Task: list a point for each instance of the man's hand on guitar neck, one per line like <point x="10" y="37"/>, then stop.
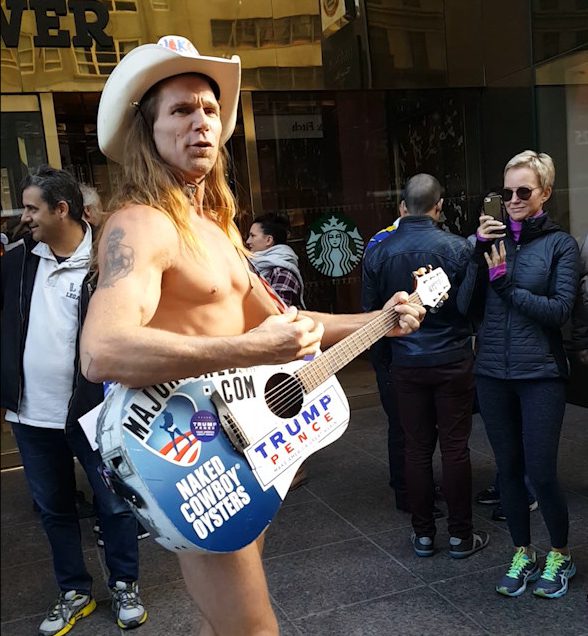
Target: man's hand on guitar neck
<point x="410" y="315"/>
<point x="339" y="326"/>
<point x="296" y="334"/>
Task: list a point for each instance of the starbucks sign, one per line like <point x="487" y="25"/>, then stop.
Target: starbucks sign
<point x="334" y="245"/>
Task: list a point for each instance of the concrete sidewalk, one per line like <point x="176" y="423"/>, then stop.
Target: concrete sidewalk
<point x="338" y="556"/>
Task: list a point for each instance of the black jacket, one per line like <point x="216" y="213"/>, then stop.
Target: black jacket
<point x="443" y="337"/>
<point x="520" y="333"/>
<point x="19" y="267"/>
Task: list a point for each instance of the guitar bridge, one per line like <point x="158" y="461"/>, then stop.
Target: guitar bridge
<point x="230" y="425"/>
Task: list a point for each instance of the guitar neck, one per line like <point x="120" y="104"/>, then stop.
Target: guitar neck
<point x="313" y="374"/>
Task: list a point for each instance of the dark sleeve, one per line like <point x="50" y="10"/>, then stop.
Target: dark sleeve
<point x="555" y="309"/>
<point x="464" y="258"/>
<point x="379" y="352"/>
<point x="471" y="295"/>
<point x="580" y="311"/>
<point x="11" y="272"/>
<point x="370" y="296"/>
<point x="2" y="274"/>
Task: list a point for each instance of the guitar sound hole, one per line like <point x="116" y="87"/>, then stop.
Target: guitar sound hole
<point x="284" y="395"/>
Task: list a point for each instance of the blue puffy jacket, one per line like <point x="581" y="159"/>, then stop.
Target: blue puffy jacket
<point x="520" y="333"/>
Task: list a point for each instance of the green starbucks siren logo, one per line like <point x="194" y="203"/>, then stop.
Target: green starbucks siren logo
<point x="334" y="246"/>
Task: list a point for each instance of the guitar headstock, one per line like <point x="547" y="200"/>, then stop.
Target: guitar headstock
<point x="432" y="286"/>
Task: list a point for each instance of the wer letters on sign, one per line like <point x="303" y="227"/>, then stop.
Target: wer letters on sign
<point x="47" y="18"/>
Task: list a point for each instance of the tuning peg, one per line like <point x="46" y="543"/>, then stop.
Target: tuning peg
<point x="438" y="306"/>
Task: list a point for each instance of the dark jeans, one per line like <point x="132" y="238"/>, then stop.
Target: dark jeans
<point x="395" y="432"/>
<point x="48" y="460"/>
<point x="437" y="401"/>
<point x="523" y="420"/>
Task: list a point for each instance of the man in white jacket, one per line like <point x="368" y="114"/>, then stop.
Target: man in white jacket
<point x="44" y="296"/>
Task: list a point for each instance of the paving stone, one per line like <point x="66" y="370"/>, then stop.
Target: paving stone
<point x="330" y="576"/>
<point x="338" y="558"/>
<point x="418" y="612"/>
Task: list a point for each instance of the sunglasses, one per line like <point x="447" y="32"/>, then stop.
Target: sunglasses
<point x="523" y="193"/>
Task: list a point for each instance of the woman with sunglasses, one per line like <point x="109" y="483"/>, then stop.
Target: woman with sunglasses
<point x="526" y="271"/>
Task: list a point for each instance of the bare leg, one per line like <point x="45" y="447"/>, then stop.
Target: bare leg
<point x="231" y="592"/>
<point x="206" y="629"/>
<point x="260" y="542"/>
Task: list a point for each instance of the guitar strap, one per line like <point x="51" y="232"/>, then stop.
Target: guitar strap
<point x="278" y="302"/>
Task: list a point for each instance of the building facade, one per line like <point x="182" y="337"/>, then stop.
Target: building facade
<point x="342" y="101"/>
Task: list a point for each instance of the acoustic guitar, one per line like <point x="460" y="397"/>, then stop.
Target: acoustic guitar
<point x="206" y="462"/>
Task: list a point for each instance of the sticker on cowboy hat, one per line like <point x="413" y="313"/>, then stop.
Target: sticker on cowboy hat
<point x="179" y="44"/>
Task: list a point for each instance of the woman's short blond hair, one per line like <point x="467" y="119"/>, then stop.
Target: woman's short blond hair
<point x="539" y="162"/>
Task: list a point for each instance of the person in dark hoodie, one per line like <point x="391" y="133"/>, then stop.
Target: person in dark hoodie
<point x="526" y="275"/>
<point x="45" y="295"/>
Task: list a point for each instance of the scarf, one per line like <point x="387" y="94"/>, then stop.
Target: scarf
<point x="279" y="256"/>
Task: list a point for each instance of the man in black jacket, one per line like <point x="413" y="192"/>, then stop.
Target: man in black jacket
<point x="45" y="293"/>
<point x="432" y="370"/>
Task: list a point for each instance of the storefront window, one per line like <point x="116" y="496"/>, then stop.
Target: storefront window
<point x="322" y="158"/>
<point x="23" y="147"/>
<point x="334" y="161"/>
<point x="407" y="43"/>
<point x="559" y="26"/>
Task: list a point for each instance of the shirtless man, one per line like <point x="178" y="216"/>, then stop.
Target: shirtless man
<point x="175" y="295"/>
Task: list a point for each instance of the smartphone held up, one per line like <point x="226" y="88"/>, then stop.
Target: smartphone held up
<point x="493" y="206"/>
<point x="492" y="224"/>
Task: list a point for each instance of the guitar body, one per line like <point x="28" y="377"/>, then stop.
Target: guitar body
<point x="206" y="461"/>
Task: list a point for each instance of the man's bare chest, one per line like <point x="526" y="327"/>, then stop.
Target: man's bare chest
<point x="213" y="276"/>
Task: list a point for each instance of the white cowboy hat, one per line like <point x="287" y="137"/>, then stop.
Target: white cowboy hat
<point x="142" y="68"/>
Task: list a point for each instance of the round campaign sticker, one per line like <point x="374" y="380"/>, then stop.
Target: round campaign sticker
<point x="204" y="425"/>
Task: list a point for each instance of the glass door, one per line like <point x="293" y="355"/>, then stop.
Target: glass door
<point x="23" y="147"/>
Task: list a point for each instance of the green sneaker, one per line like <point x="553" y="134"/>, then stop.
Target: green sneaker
<point x="523" y="569"/>
<point x="62" y="615"/>
<point x="558" y="570"/>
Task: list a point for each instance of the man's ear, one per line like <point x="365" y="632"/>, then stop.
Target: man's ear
<point x="438" y="209"/>
<point x="402" y="208"/>
<point x="62" y="208"/>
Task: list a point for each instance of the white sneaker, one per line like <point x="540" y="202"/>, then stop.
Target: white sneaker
<point x="127" y="605"/>
<point x="69" y="607"/>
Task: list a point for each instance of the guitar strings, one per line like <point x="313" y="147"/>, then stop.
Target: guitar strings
<point x="388" y="319"/>
<point x="286" y="399"/>
<point x="289" y="397"/>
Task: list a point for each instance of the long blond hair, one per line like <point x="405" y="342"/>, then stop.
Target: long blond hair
<point x="146" y="179"/>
